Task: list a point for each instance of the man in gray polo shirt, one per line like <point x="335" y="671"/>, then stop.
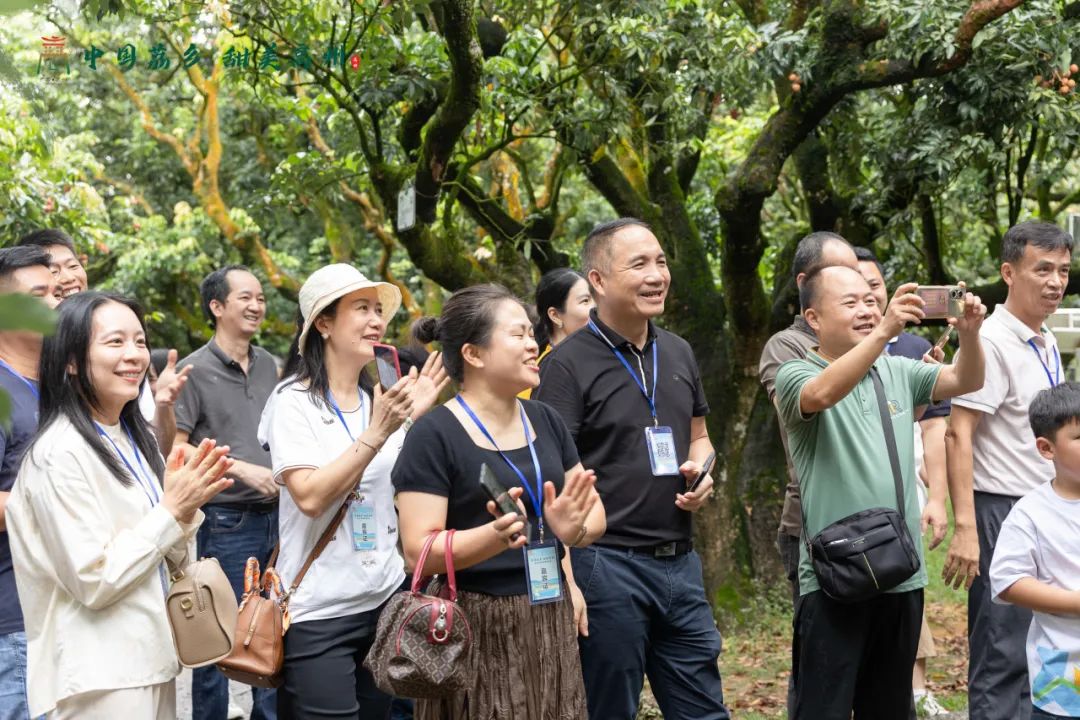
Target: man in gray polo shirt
<point x="993" y="461"/>
<point x="228" y="386"/>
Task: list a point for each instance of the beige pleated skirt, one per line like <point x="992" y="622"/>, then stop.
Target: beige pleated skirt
<point x="525" y="659"/>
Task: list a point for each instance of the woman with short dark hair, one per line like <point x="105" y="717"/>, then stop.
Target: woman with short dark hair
<point x="524" y="627"/>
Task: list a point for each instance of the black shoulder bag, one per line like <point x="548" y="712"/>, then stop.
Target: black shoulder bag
<point x="870" y="552"/>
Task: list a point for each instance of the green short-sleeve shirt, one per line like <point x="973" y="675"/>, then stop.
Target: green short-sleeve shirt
<point x="840" y="455"/>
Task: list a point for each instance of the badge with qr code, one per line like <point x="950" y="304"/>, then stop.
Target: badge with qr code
<point x="662" y="457"/>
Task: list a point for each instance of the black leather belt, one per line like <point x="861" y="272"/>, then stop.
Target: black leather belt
<point x="663" y="550"/>
<point x="262" y="508"/>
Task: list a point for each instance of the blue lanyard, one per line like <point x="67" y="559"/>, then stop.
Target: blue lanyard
<point x="32" y="386"/>
<point x="1056" y="377"/>
<point x="536" y="497"/>
<point x="147" y="485"/>
<point x="640" y="383"/>
<point x="363" y="415"/>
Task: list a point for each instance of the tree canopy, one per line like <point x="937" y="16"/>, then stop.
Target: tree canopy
<point x="441" y="143"/>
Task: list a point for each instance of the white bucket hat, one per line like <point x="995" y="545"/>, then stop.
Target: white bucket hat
<point x="331" y="282"/>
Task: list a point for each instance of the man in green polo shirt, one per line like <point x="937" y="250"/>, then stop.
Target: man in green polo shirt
<point x="857" y="657"/>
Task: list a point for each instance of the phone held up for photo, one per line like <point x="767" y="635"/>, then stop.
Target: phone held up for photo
<point x="941" y="301"/>
<point x="501" y="497"/>
<point x="386" y="362"/>
<point x="705" y="470"/>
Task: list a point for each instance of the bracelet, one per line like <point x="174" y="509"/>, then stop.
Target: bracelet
<point x="581" y="535"/>
<point x="368" y="445"/>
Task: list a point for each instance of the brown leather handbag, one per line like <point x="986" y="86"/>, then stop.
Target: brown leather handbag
<point x="258" y="653"/>
<point x="422" y="642"/>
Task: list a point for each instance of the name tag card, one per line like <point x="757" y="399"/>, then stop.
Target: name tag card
<point x="661" y="442"/>
<point x="364" y="527"/>
<point x="542" y="572"/>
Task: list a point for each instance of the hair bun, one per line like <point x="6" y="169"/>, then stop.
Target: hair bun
<point x="426" y="329"/>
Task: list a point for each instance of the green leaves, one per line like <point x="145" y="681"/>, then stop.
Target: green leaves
<point x="19" y="311"/>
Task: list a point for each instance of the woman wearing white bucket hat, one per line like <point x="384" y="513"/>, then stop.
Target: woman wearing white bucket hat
<point x="332" y="438"/>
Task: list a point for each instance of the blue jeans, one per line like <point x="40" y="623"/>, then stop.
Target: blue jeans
<point x="232" y="536"/>
<point x="648" y="616"/>
<point x="13" y="677"/>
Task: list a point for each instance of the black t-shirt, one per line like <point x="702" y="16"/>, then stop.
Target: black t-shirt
<point x="607" y="415"/>
<point x="439" y="457"/>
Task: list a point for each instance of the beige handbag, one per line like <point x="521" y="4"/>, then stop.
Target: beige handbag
<point x="202" y="612"/>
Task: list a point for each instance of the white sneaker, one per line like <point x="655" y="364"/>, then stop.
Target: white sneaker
<point x="235" y="711"/>
<point x="926" y="705"/>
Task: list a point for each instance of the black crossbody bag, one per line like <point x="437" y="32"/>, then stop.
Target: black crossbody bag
<point x="870" y="552"/>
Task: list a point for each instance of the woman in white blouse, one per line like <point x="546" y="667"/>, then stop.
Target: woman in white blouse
<point x="334" y="438"/>
<point x="92" y="524"/>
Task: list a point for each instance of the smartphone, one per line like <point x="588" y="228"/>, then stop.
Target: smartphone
<point x="941" y="301"/>
<point x="705" y="470"/>
<point x="501" y="497"/>
<point x="940" y="344"/>
<point x="386" y="362"/>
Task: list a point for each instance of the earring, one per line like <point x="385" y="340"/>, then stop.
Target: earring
<point x="326" y="336"/>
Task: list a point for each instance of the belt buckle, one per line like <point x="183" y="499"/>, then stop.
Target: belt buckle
<point x="665" y="550"/>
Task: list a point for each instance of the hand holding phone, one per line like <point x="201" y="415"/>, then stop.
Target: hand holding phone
<point x="941" y="301"/>
<point x="502" y="499"/>
<point x="705" y="470"/>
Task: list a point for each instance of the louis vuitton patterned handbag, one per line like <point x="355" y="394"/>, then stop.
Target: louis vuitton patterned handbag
<point x="422" y="642"/>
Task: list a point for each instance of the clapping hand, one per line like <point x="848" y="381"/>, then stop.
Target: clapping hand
<point x="428" y="384"/>
<point x="190" y="485"/>
<point x="566" y="513"/>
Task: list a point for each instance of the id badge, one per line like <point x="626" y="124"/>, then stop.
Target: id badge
<point x="364" y="527"/>
<point x="542" y="572"/>
<point x="661" y="442"/>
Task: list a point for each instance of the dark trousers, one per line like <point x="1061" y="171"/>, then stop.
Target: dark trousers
<point x="788" y="546"/>
<point x="855" y="657"/>
<point x="232" y="535"/>
<point x="997" y="634"/>
<point x="324" y="670"/>
<point x="648" y="616"/>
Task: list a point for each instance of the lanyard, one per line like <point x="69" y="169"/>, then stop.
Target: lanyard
<point x="1056" y="377"/>
<point x="640" y="383"/>
<point x="147" y="485"/>
<point x="363" y="415"/>
<point x="536" y="497"/>
<point x="13" y="371"/>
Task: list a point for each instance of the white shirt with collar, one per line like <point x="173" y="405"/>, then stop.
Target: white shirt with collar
<point x="1006" y="461"/>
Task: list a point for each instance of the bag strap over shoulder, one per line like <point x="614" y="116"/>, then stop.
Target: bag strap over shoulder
<point x="890" y="439"/>
<point x="324" y="540"/>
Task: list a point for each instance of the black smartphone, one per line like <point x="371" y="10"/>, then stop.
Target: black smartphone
<point x="386" y="362"/>
<point x="501" y="497"/>
<point x="705" y="470"/>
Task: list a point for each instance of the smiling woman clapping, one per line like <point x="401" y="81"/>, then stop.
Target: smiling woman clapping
<point x="92" y="524"/>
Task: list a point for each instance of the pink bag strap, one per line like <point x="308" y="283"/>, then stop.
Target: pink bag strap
<point x="451" y="578"/>
<point x="418" y="576"/>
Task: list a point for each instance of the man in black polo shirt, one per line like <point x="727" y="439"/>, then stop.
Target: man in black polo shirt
<point x="229" y="383"/>
<point x="631" y="395"/>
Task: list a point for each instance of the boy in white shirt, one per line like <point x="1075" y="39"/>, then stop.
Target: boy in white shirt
<point x="1037" y="559"/>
